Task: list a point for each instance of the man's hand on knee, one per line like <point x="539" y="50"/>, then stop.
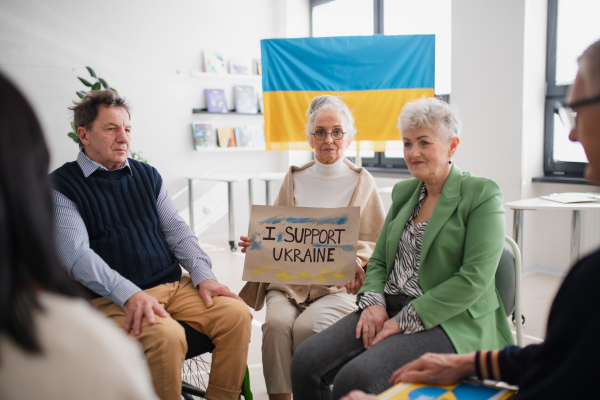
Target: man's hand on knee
<point x="137" y="306"/>
<point x="210" y="288"/>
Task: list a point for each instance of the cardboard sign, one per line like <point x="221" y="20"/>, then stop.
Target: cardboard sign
<point x="302" y="245"/>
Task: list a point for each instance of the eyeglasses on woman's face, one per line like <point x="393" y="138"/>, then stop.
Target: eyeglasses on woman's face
<point x="321" y="134"/>
<point x="568" y="115"/>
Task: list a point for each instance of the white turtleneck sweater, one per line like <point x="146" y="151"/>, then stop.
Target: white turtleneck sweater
<point x="324" y="185"/>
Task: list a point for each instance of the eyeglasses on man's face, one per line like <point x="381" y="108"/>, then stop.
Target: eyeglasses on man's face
<point x="567" y="113"/>
<point x="321" y="134"/>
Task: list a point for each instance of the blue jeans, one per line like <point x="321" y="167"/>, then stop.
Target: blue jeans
<point x="335" y="357"/>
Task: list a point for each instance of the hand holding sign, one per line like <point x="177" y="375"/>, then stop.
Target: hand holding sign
<point x="353" y="286"/>
<point x="302" y="245"/>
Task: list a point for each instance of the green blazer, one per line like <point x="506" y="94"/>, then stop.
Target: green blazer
<point x="460" y="252"/>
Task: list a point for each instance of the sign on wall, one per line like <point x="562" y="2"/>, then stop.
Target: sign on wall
<point x="302" y="245"/>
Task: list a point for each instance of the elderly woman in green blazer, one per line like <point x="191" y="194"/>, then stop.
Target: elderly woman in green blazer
<point x="429" y="285"/>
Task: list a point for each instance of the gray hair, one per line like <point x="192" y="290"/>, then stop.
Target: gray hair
<point x="589" y="68"/>
<point x="430" y="113"/>
<point x="329" y="102"/>
<point x="85" y="111"/>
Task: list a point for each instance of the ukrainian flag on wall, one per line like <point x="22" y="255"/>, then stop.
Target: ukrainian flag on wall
<point x="375" y="75"/>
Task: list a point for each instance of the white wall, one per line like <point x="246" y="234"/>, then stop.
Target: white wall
<point x="487" y="87"/>
<point x="498" y="82"/>
<point x="148" y="51"/>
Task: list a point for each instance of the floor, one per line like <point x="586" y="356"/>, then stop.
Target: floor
<point x="538" y="290"/>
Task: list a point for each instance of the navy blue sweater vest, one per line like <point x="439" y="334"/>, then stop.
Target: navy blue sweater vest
<point x="120" y="213"/>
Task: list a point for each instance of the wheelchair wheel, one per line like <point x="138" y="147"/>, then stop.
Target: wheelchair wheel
<point x="194" y="375"/>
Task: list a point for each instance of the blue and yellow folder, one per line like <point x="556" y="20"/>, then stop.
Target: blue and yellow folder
<point x="458" y="391"/>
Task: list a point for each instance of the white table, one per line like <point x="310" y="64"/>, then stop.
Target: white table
<point x="230" y="179"/>
<point x="537" y="203"/>
<point x="268" y="177"/>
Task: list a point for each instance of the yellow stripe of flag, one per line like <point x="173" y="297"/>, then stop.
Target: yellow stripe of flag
<point x="375" y="113"/>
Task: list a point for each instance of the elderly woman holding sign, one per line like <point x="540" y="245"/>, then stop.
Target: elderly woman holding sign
<point x="296" y="312"/>
<point x="429" y="285"/>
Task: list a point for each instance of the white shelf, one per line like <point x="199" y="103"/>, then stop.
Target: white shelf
<point x="231" y="149"/>
<point x="200" y="74"/>
<point x="229" y="112"/>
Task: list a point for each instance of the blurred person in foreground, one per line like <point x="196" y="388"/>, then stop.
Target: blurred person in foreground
<point x="430" y="283"/>
<point x="53" y="345"/>
<point x="296" y="312"/>
<point x="565" y="365"/>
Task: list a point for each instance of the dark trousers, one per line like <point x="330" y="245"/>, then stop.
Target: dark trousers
<point x="335" y="357"/>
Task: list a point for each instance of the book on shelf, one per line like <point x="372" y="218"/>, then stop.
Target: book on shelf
<point x="459" y="391"/>
<point x="245" y="99"/>
<point x="214" y="62"/>
<point x="257" y="66"/>
<point x="215" y="100"/>
<point x="239" y="67"/>
<point x="256" y="135"/>
<point x="261" y="104"/>
<point x="204" y="135"/>
<point x="226" y="137"/>
<point x="242" y="139"/>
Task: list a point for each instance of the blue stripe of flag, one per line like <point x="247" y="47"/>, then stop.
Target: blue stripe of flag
<point x="348" y="63"/>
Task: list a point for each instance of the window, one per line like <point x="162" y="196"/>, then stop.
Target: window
<point x="342" y="18"/>
<point x="572" y="27"/>
<point x="389" y="17"/>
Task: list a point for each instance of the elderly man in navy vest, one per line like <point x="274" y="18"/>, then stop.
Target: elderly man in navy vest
<point x="120" y="235"/>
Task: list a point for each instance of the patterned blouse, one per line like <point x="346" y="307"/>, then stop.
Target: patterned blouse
<point x="405" y="275"/>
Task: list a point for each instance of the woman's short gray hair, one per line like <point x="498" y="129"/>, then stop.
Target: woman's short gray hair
<point x="329" y="102"/>
<point x="430" y="113"/>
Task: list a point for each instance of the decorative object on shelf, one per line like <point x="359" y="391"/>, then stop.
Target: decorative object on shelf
<point x="241" y="137"/>
<point x="98" y="84"/>
<point x="214" y="62"/>
<point x="245" y="100"/>
<point x="226" y="77"/>
<point x="261" y="104"/>
<point x="257" y="66"/>
<point x="215" y="100"/>
<point x="256" y="134"/>
<point x="204" y="135"/>
<point x="226" y="137"/>
<point x="239" y="67"/>
<point x="231" y="112"/>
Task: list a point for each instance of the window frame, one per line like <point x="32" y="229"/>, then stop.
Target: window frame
<point x="554" y="93"/>
<point x="378" y="163"/>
